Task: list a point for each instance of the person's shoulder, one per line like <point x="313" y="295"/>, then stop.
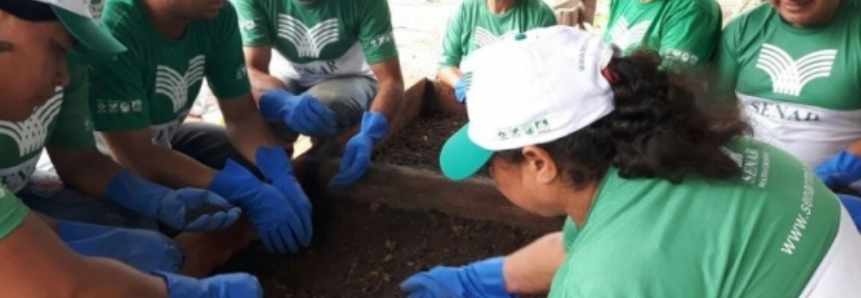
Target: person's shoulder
<point x="118" y="12"/>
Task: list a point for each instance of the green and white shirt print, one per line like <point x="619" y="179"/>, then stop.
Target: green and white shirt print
<point x="154" y="84"/>
<point x="62" y="122"/>
<point x="683" y="31"/>
<point x="321" y="39"/>
<point x="800" y="87"/>
<point x="774" y="231"/>
<point x="473" y="26"/>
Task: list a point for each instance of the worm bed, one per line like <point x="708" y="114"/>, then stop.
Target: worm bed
<point x="402" y="217"/>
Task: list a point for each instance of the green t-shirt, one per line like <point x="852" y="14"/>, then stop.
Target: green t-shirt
<point x="12" y="212"/>
<point x="473" y="26"/>
<point x="62" y="122"/>
<point x="322" y="39"/>
<point x="155" y="82"/>
<point x="762" y="234"/>
<point x="686" y="31"/>
<point x="800" y="87"/>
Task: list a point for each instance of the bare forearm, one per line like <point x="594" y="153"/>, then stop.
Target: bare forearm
<point x="86" y="170"/>
<point x="449" y="76"/>
<point x="262" y="81"/>
<point x="125" y="281"/>
<point x="855" y="148"/>
<point x="530" y="270"/>
<point x="249" y="133"/>
<point x="389" y="98"/>
<point x="172" y="169"/>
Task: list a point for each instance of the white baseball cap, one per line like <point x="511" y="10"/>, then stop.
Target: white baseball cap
<point x="527" y="89"/>
<point x="76" y="18"/>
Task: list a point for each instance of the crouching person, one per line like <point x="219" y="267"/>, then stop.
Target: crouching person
<point x="84" y="256"/>
<point x="663" y="199"/>
<point x="343" y="70"/>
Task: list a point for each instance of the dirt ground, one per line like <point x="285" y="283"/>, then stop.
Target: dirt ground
<point x="365" y="251"/>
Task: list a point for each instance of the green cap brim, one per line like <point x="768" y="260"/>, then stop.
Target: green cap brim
<point x="461" y="158"/>
<point x="93" y="41"/>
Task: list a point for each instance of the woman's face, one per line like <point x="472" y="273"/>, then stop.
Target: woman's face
<point x="532" y="184"/>
<point x="806" y="12"/>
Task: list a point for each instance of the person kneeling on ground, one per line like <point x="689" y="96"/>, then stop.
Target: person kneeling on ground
<point x="478" y="23"/>
<point x="139" y="103"/>
<point x="663" y="198"/>
<point x="41" y="32"/>
<point x="343" y="70"/>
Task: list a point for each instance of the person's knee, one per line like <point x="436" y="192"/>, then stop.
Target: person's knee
<point x="348" y="98"/>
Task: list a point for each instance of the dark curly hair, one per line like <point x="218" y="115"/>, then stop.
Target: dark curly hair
<point x="657" y="129"/>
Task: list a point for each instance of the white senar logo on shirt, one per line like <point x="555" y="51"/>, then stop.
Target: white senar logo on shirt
<point x="309" y="42"/>
<point x="170" y="83"/>
<point x="624" y="36"/>
<point x="484" y="37"/>
<point x="790" y="76"/>
<point x="30" y="134"/>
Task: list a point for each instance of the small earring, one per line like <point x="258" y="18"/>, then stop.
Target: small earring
<point x="5" y="46"/>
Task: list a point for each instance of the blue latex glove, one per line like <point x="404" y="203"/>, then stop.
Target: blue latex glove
<point x="171" y="206"/>
<point x="144" y="250"/>
<point x="357" y="155"/>
<point x="303" y="113"/>
<point x="232" y="285"/>
<point x="461" y="87"/>
<point x="483" y="279"/>
<point x="276" y="167"/>
<point x="842" y="169"/>
<point x="277" y="222"/>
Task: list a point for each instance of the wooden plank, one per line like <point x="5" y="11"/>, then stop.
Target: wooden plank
<point x="416" y="189"/>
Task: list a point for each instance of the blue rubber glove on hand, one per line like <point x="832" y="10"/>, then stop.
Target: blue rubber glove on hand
<point x="357" y="155"/>
<point x="277" y="222"/>
<point x="461" y="87"/>
<point x="172" y="206"/>
<point x="232" y="285"/>
<point x="144" y="250"/>
<point x="276" y="167"/>
<point x="483" y="279"/>
<point x="302" y="113"/>
<point x="842" y="169"/>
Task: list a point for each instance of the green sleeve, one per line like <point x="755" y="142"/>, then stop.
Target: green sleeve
<point x="548" y="17"/>
<point x="226" y="75"/>
<point x="724" y="62"/>
<point x="692" y="34"/>
<point x="569" y="233"/>
<point x="253" y="25"/>
<point x="12" y="212"/>
<point x="118" y="99"/>
<point x="74" y="129"/>
<point x="376" y="33"/>
<point x="452" y="42"/>
<point x="614" y="14"/>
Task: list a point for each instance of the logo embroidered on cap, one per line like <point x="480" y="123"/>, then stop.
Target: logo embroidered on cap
<point x="529" y="129"/>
